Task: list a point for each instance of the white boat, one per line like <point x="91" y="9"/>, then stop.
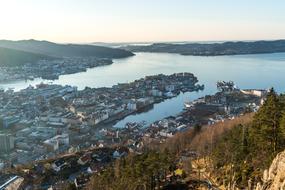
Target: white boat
<point x="188" y="105"/>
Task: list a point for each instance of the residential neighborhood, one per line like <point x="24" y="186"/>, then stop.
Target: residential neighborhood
<point x="67" y="137"/>
<point x="44" y="121"/>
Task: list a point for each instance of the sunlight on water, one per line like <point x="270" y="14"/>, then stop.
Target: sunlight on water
<point x="247" y="71"/>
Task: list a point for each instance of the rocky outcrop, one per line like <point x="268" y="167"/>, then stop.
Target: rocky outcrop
<point x="274" y="177"/>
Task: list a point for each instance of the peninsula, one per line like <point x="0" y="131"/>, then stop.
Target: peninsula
<point x="29" y="59"/>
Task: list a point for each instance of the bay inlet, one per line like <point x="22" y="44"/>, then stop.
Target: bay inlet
<point x="247" y="71"/>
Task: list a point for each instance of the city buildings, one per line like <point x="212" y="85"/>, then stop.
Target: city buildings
<point x="6" y="143"/>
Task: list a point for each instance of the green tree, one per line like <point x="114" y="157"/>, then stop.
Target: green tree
<point x="197" y="128"/>
<point x="232" y="151"/>
<point x="134" y="172"/>
<point x="282" y="122"/>
<point x="267" y="131"/>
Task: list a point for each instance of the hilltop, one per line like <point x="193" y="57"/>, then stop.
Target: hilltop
<point x="65" y="50"/>
<point x="213" y="49"/>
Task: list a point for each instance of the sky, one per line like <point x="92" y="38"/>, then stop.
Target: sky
<point x="85" y="21"/>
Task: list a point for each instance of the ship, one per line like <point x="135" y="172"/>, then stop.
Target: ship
<point x="188" y="105"/>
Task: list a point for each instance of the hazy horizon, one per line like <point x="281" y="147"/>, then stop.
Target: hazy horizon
<point x="146" y="42"/>
<point x="113" y="21"/>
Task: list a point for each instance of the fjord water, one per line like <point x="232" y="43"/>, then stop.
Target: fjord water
<point x="247" y="71"/>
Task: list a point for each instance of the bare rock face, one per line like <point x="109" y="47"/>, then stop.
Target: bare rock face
<point x="274" y="178"/>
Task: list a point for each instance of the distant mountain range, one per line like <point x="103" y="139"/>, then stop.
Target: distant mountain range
<point x="212" y="49"/>
<point x="120" y="44"/>
<point x="16" y="52"/>
<point x="13" y="53"/>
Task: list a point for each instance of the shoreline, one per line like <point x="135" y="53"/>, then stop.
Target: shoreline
<point x="113" y="121"/>
<point x="47" y="72"/>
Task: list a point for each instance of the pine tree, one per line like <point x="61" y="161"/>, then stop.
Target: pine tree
<point x="266" y="128"/>
<point x="282" y="131"/>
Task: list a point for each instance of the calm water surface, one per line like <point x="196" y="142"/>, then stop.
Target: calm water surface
<point x="247" y="71"/>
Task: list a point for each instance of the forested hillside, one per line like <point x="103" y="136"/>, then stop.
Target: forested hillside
<point x="243" y="153"/>
<point x="234" y="153"/>
<point x="213" y="49"/>
<point x="12" y="58"/>
<point x="65" y="50"/>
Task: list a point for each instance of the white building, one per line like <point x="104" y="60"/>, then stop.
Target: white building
<point x="170" y="88"/>
<point x="165" y="134"/>
<point x="132" y="106"/>
<point x="259" y="93"/>
<point x="100" y="116"/>
<point x="54" y="143"/>
<point x="155" y="92"/>
<point x="169" y="94"/>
